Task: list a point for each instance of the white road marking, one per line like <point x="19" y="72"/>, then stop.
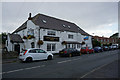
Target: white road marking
<point x="64" y="61"/>
<point x="22" y="69"/>
<point x="77" y="59"/>
<point x="94" y="70"/>
<point x="68" y="60"/>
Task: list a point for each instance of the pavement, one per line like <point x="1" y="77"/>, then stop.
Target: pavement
<point x="97" y="65"/>
<point x="9" y="60"/>
<point x="13" y="60"/>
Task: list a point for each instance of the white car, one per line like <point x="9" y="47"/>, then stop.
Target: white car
<point x="35" y="54"/>
<point x="114" y="46"/>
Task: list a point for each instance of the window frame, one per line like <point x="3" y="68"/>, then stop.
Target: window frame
<point x="30" y="32"/>
<point x="53" y="33"/>
<point x="52" y="47"/>
<point x="70" y="36"/>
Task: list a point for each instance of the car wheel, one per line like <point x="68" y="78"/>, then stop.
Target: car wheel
<point x="29" y="59"/>
<point x="70" y="55"/>
<point x="80" y="54"/>
<point x="87" y="52"/>
<point x="49" y="58"/>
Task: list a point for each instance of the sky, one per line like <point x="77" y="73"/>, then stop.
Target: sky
<point x="96" y="18"/>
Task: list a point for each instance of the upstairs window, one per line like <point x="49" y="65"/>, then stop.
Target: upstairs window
<point x="104" y="40"/>
<point x="30" y="32"/>
<point x="70" y="36"/>
<point x="51" y="33"/>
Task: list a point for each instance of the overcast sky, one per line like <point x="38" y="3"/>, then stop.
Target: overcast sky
<point x="100" y="18"/>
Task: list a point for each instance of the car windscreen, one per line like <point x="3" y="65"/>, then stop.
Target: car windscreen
<point x="90" y="48"/>
<point x="83" y="48"/>
<point x="23" y="51"/>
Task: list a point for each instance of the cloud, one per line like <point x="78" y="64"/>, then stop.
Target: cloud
<point x="90" y="16"/>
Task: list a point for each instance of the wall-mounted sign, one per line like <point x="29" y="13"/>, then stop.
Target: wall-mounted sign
<point x="86" y="38"/>
<point x="49" y="38"/>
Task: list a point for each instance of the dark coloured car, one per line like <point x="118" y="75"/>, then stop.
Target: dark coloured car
<point x="105" y="48"/>
<point x="110" y="48"/>
<point x="69" y="52"/>
<point x="87" y="50"/>
<point x="98" y="49"/>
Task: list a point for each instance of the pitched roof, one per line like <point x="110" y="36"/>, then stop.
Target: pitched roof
<point x="23" y="26"/>
<point x="48" y="22"/>
<point x="15" y="38"/>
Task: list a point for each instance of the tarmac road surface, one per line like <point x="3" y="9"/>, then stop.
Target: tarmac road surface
<point x="62" y="67"/>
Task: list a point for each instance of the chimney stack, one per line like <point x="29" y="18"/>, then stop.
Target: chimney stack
<point x="29" y="16"/>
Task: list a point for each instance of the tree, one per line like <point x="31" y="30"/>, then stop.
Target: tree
<point x="95" y="43"/>
<point x="4" y="37"/>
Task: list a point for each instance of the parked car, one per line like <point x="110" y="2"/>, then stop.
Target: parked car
<point x="110" y="47"/>
<point x="34" y="54"/>
<point x="98" y="49"/>
<point x="69" y="52"/>
<point x="114" y="47"/>
<point x="87" y="50"/>
<point x="105" y="48"/>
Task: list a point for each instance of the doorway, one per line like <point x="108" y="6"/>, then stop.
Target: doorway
<point x="17" y="48"/>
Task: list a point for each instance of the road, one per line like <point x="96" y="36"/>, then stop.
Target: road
<point x="60" y="67"/>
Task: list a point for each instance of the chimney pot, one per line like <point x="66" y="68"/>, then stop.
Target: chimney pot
<point x="29" y="16"/>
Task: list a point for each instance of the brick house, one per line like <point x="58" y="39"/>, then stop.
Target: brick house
<point x="105" y="40"/>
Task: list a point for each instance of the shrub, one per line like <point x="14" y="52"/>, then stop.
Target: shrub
<point x="40" y="42"/>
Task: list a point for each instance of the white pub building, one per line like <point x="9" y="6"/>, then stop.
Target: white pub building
<point x="48" y="33"/>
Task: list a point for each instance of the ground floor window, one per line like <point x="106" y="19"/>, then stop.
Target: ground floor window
<point x="67" y="45"/>
<point x="51" y="47"/>
<point x="73" y="46"/>
<point x="78" y="45"/>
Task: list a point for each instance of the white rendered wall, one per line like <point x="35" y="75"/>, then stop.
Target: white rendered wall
<point x="63" y="36"/>
<point x="10" y="45"/>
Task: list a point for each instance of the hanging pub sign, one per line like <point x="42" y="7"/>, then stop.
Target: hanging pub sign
<point x="49" y="38"/>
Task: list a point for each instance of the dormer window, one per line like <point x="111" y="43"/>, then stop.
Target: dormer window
<point x="44" y="21"/>
<point x="68" y="26"/>
<point x="63" y="25"/>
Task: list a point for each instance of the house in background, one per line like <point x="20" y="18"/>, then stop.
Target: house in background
<point x="48" y="33"/>
<point x="105" y="40"/>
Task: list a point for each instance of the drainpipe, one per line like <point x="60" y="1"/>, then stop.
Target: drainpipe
<point x="39" y="36"/>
